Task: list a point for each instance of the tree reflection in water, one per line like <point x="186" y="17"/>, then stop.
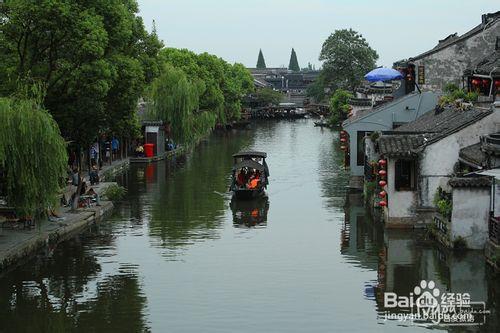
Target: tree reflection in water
<point x="191" y="202"/>
<point x="67" y="292"/>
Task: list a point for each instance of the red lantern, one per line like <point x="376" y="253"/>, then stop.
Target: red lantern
<point x="486" y="82"/>
<point x="382" y="194"/>
<point x="475" y="82"/>
<point x="382" y="173"/>
<point x="497" y="84"/>
<point x="382" y="183"/>
<point x="382" y="203"/>
<point x="382" y="162"/>
<point x="343" y="140"/>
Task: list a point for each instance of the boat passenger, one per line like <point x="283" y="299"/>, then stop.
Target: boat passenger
<point x="254" y="181"/>
<point x="240" y="179"/>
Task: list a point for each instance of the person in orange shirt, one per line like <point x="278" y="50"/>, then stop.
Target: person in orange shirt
<point x="254" y="181"/>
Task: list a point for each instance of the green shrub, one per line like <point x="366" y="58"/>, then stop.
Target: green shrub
<point x="115" y="192"/>
<point x="471" y="96"/>
<point x="460" y="244"/>
<point x="443" y="203"/>
<point x="450" y="87"/>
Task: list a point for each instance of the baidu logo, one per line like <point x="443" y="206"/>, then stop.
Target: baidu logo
<point x="427" y="295"/>
<point x="427" y="305"/>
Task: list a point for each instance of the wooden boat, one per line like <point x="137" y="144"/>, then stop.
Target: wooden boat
<point x="321" y="124"/>
<point x="250" y="175"/>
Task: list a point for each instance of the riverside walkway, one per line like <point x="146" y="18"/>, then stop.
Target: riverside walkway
<point x="18" y="244"/>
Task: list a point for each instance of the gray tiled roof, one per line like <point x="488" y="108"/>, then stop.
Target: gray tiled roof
<point x="490" y="64"/>
<point x="470" y="182"/>
<point x="402" y="145"/>
<point x="473" y="154"/>
<point x="446" y="122"/>
<point x="427" y="129"/>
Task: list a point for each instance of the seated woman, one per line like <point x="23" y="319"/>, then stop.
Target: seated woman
<point x="253" y="183"/>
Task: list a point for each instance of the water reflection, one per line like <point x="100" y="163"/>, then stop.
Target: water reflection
<point x="250" y="213"/>
<point x="409" y="258"/>
<point x="403" y="258"/>
<point x="67" y="291"/>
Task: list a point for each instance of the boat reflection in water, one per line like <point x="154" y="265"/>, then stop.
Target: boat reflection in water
<point x="250" y="213"/>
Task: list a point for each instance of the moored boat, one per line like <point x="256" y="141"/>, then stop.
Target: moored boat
<point x="250" y="175"/>
<point x="321" y="124"/>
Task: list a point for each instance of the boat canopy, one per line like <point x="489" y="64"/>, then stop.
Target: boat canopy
<point x="249" y="164"/>
<point x="250" y="153"/>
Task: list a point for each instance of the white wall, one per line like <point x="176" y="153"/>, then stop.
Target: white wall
<point x="401" y="203"/>
<point x="439" y="158"/>
<point x="471" y="207"/>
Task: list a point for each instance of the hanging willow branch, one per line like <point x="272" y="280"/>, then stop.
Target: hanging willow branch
<point x="176" y="100"/>
<point x="32" y="155"/>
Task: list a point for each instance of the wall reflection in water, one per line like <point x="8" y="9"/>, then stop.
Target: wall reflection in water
<point x="250" y="213"/>
<point x="402" y="258"/>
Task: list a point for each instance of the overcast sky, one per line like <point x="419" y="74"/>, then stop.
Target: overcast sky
<point x="236" y="29"/>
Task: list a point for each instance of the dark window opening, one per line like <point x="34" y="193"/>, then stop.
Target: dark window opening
<point x="405" y="178"/>
<point x="360" y="149"/>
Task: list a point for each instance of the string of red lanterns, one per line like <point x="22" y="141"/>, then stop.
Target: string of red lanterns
<point x="382" y="183"/>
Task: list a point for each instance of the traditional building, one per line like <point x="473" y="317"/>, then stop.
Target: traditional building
<point x="422" y="157"/>
<point x="385" y="117"/>
<point x="448" y="60"/>
<point x="484" y="76"/>
<point x="292" y="84"/>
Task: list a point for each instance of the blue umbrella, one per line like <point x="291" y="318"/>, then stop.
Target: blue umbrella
<point x="383" y="74"/>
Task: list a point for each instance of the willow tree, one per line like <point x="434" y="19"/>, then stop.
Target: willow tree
<point x="32" y="156"/>
<point x="174" y="100"/>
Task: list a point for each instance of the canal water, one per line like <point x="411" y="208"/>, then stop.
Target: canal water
<point x="178" y="255"/>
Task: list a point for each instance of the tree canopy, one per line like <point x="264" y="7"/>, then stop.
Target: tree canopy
<point x="347" y="58"/>
<point x="294" y="63"/>
<point x="94" y="58"/>
<point x="196" y="91"/>
<point x="220" y="85"/>
<point x="32" y="155"/>
<point x="266" y="96"/>
<point x="339" y="105"/>
<point x="261" y="63"/>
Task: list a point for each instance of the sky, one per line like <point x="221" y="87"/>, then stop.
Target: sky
<point x="235" y="30"/>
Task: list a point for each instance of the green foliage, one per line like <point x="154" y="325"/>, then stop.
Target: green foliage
<point x="454" y="93"/>
<point x="115" y="192"/>
<point x="32" y="155"/>
<point x="175" y="99"/>
<point x="471" y="96"/>
<point x="294" y="63"/>
<point x="220" y="85"/>
<point x="94" y="58"/>
<point x="459" y="244"/>
<point x="261" y="63"/>
<point x="443" y="202"/>
<point x="339" y="105"/>
<point x="370" y="187"/>
<point x="266" y="96"/>
<point x="316" y="90"/>
<point x="450" y="88"/>
<point x="347" y="58"/>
